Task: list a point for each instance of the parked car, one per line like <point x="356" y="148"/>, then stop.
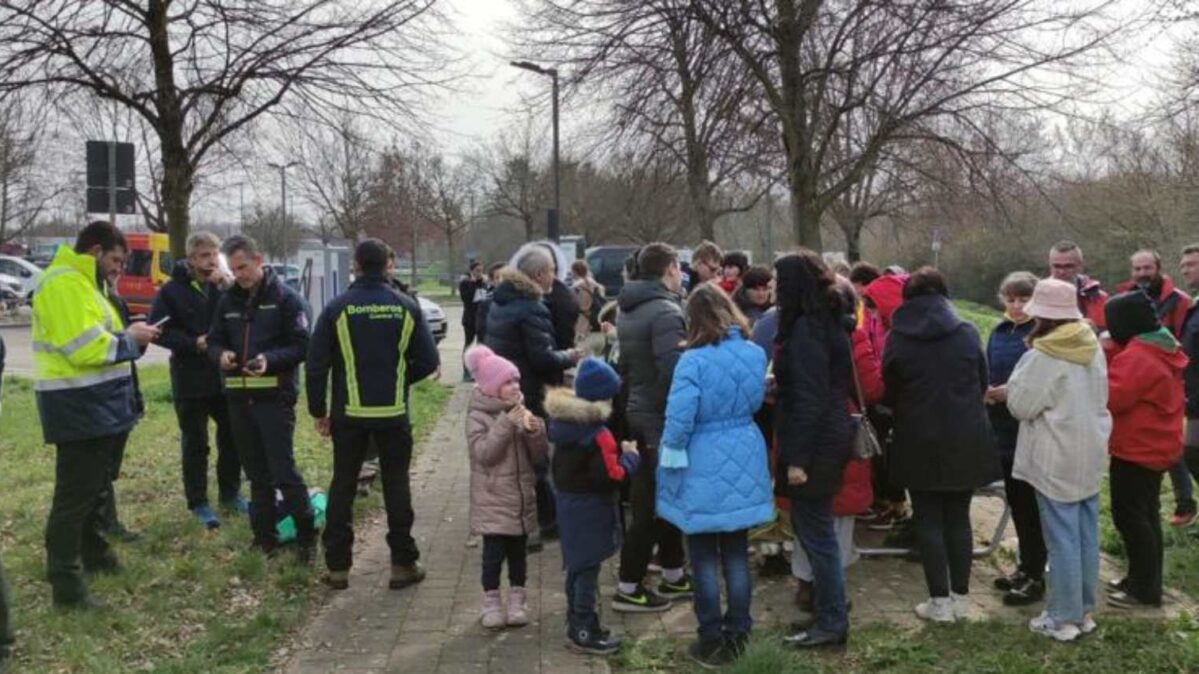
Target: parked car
<point x="24" y="271"/>
<point x="606" y="264"/>
<point x="290" y="274"/>
<point x="434" y="318"/>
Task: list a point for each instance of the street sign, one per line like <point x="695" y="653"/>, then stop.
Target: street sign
<point x="111" y="184"/>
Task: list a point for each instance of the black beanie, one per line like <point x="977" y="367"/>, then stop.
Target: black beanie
<point x="1130" y="314"/>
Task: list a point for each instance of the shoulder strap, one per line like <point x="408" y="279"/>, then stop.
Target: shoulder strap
<point x="857" y="386"/>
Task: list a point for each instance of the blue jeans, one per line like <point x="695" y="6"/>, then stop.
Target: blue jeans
<point x="814" y="529"/>
<point x="708" y="551"/>
<point x="581" y="588"/>
<point x="1072" y="536"/>
<point x="1184" y="489"/>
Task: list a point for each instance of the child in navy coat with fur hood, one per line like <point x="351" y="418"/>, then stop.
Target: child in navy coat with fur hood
<point x="588" y="468"/>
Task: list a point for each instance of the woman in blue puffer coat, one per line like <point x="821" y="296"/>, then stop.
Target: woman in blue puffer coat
<point x="713" y="477"/>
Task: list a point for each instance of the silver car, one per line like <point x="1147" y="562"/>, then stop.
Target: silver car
<point x="434" y="318"/>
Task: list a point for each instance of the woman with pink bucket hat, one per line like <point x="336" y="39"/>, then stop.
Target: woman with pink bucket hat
<point x="506" y="441"/>
<point x="1059" y="392"/>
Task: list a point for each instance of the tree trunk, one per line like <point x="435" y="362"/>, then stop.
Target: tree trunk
<point x="852" y="227"/>
<point x="449" y="249"/>
<point x="701" y="199"/>
<point x="178" y="169"/>
<point x="177" y="186"/>
<point x="805" y="214"/>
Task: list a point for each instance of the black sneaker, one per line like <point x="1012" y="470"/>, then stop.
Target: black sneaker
<point x="1006" y="583"/>
<point x="1126" y="600"/>
<point x="683" y="589"/>
<point x="640" y="601"/>
<point x="710" y="654"/>
<point x="593" y="643"/>
<point x="1030" y="591"/>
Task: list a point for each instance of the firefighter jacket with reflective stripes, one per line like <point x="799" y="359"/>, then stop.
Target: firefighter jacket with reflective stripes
<point x="268" y="320"/>
<point x="81" y="354"/>
<point x="375" y="341"/>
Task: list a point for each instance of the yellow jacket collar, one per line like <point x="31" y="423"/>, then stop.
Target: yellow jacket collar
<point x="81" y="262"/>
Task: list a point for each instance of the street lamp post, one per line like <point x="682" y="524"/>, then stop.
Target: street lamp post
<point x="282" y="168"/>
<point x="552" y="216"/>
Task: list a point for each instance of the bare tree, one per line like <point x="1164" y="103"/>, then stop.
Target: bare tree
<point x="817" y="61"/>
<point x="515" y="181"/>
<point x="335" y="174"/>
<point x="276" y="236"/>
<point x="447" y="200"/>
<point x="25" y="191"/>
<point x="673" y="87"/>
<point x="217" y="67"/>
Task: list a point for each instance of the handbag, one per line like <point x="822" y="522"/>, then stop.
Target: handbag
<point x="865" y="439"/>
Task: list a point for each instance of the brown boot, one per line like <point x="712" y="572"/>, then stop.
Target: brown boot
<point x="403" y="575"/>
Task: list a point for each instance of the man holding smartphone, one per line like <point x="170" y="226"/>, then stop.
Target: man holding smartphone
<point x="183" y="311"/>
<point x="258" y="338"/>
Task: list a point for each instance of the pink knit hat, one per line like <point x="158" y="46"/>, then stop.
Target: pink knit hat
<point x="1054" y="300"/>
<point x="490" y="371"/>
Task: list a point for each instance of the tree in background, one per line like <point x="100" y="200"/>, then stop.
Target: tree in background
<point x="218" y="67"/>
<point x="278" y="238"/>
<point x="26" y="191"/>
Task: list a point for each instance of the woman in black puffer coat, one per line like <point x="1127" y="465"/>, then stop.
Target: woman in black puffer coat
<point x="814" y="431"/>
<point x="935" y="374"/>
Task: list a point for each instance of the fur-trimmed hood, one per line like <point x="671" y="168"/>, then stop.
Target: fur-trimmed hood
<point x="514" y="284"/>
<point x="563" y="405"/>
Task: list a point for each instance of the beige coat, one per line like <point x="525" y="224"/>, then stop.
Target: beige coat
<point x="503" y="492"/>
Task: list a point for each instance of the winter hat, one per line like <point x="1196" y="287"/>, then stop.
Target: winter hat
<point x="1054" y="300"/>
<point x="490" y="371"/>
<point x="596" y="380"/>
<point x="886" y="294"/>
<point x="1130" y="314"/>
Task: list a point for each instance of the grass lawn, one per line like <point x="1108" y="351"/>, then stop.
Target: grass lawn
<point x="1120" y="646"/>
<point x="188" y="600"/>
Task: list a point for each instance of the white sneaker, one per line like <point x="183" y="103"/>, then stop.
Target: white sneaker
<point x="962" y="608"/>
<point x="1088" y="624"/>
<point x="1045" y="626"/>
<point x="936" y="609"/>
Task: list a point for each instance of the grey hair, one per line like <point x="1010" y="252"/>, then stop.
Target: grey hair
<point x="534" y="261"/>
<point x="239" y="243"/>
<point x="200" y="240"/>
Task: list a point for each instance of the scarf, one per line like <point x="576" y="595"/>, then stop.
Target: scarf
<point x="1073" y="342"/>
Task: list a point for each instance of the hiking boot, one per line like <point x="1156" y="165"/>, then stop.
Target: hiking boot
<point x="640" y="601"/>
<point x="937" y="610"/>
<point x="492" y="614"/>
<point x="206" y="516"/>
<point x="403" y="575"/>
<point x="518" y="607"/>
<point x="710" y="654"/>
<point x="681" y="589"/>
<point x="589" y="642"/>
<point x="337" y="580"/>
<point x="1005" y="583"/>
<point x="1046" y="626"/>
<point x="1030" y="591"/>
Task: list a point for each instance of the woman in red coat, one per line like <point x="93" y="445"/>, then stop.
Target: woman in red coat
<point x="857" y="491"/>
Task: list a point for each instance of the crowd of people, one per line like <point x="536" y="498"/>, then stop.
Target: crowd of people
<point x="706" y="410"/>
<point x="726" y="404"/>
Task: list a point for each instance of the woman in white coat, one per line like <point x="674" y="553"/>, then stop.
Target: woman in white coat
<point x="1059" y="392"/>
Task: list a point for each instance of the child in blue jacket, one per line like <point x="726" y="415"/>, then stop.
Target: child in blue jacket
<point x="588" y="468"/>
<point x="713" y="477"/>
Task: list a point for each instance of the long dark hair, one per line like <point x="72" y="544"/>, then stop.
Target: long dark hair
<point x="804" y="287"/>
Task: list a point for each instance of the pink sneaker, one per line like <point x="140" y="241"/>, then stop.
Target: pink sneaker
<point x="518" y="608"/>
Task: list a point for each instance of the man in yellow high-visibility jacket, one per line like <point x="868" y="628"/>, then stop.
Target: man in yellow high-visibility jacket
<point x="85" y="395"/>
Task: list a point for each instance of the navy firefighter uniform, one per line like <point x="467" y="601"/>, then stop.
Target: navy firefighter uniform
<point x="269" y="321"/>
<point x="374" y="342"/>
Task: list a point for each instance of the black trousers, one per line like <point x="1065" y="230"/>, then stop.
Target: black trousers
<point x="944" y="537"/>
<point x="6" y="631"/>
<point x="262" y="432"/>
<point x="1136" y="506"/>
<point x="110" y="523"/>
<point x="1022" y="499"/>
<point x="193" y="415"/>
<point x="469" y="327"/>
<point x="350" y="447"/>
<point x="646" y="529"/>
<point x="83" y="472"/>
<point x="496" y="549"/>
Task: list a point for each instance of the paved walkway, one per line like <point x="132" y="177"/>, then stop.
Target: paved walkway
<point x="433" y="627"/>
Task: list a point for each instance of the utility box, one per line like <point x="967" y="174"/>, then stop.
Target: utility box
<point x="324" y="271"/>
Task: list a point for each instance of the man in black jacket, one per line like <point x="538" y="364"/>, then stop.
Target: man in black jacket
<point x="259" y="337"/>
<point x="520" y="329"/>
<point x="188" y="303"/>
<point x="375" y="341"/>
<point x="652" y="331"/>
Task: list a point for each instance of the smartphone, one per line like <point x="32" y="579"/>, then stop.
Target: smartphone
<point x="161" y="322"/>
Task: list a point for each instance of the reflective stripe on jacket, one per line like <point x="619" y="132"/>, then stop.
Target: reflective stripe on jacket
<point x="375" y="341"/>
<point x="81" y="354"/>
